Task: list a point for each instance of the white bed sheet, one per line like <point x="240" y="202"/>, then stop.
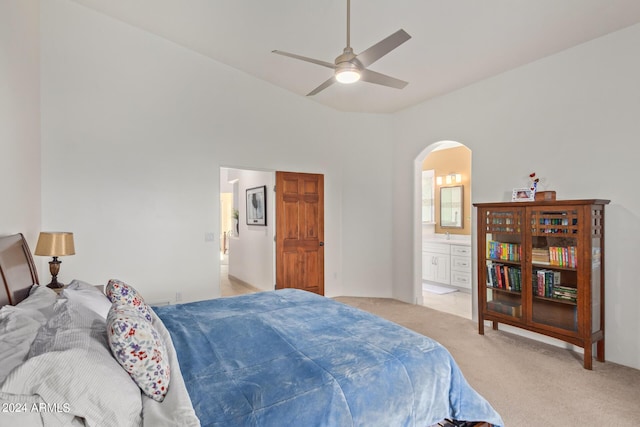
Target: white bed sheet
<point x="62" y="362"/>
<point x="176" y="409"/>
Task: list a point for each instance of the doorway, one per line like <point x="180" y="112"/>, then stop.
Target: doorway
<point x="443" y="276"/>
<point x="252" y="257"/>
<point x="246" y="250"/>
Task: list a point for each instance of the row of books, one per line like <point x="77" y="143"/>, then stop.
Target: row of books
<point x="504" y="251"/>
<point x="502" y="276"/>
<point x="555" y="255"/>
<point x="563" y="256"/>
<point x="546" y="283"/>
<point x="543" y="282"/>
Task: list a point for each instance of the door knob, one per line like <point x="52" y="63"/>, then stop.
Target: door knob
<point x="321" y="243"/>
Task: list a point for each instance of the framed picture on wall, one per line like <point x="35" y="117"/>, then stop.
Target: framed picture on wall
<point x="257" y="205"/>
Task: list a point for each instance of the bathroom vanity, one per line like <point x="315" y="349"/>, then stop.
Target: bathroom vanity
<point x="446" y="260"/>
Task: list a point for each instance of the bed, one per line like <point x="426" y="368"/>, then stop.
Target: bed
<point x="276" y="358"/>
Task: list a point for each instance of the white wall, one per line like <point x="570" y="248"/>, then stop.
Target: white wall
<point x="20" y="120"/>
<point x="573" y="119"/>
<point x="251" y="254"/>
<point x="135" y="129"/>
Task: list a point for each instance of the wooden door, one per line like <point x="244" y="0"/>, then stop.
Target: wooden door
<point x="300" y="231"/>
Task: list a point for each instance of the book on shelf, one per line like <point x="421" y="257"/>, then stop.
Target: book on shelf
<point x="505" y="275"/>
<point x="506" y="307"/>
<point x="508" y="277"/>
<point x="490" y="281"/>
<point x="565" y="292"/>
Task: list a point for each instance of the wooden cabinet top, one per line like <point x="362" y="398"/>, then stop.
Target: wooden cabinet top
<point x="544" y="203"/>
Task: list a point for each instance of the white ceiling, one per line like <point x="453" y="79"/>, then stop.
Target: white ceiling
<point x="454" y="42"/>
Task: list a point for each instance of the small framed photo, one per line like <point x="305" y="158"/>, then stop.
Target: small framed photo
<point x="523" y="195"/>
<point x="257" y="205"/>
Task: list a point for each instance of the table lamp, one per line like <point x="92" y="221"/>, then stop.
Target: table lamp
<point x="55" y="244"/>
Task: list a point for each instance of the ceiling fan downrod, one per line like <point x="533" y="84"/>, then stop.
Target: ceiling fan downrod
<point x="347" y="71"/>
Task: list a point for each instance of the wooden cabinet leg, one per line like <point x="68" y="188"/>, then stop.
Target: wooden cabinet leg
<point x="600" y="350"/>
<point x="495" y="326"/>
<point x="588" y="355"/>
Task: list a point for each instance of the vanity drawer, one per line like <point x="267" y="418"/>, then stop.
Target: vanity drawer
<point x="459" y="263"/>
<point x="461" y="250"/>
<point x="439" y="248"/>
<point x="460" y="279"/>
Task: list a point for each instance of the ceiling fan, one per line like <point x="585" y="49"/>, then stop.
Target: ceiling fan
<point x="349" y="67"/>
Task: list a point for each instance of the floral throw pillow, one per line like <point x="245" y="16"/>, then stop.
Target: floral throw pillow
<point x="122" y="294"/>
<point x="137" y="346"/>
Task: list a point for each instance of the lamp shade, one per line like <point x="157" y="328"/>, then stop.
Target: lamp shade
<point x="55" y="244"/>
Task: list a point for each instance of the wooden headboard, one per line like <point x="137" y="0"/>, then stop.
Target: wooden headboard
<point x="17" y="270"/>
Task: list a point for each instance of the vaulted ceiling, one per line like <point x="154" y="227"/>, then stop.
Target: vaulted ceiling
<point x="454" y="42"/>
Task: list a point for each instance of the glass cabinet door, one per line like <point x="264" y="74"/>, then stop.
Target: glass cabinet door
<point x="555" y="246"/>
<point x="503" y="259"/>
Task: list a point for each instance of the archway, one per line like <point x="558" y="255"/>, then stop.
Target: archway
<point x="445" y="283"/>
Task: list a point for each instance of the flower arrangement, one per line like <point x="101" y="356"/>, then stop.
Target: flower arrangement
<point x="534" y="182"/>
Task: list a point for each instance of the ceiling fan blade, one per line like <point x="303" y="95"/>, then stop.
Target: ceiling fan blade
<point x="323" y="86"/>
<point x="381" y="79"/>
<point x="383" y="47"/>
<point x="304" y="58"/>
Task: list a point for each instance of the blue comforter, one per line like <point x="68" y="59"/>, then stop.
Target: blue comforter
<point x="292" y="358"/>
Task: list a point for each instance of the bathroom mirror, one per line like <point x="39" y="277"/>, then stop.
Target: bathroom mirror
<point x="451" y="203"/>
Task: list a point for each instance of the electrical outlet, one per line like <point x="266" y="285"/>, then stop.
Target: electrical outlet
<point x="178" y="296"/>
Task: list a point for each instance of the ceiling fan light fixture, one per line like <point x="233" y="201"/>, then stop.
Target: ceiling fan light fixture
<point x="347" y="73"/>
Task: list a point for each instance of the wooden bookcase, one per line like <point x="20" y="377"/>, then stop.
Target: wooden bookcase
<point x="541" y="268"/>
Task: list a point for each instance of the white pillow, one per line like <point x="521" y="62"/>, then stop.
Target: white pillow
<point x="89" y="296"/>
<point x="18" y="329"/>
<point x="176" y="409"/>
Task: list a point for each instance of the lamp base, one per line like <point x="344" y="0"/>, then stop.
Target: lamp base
<point x="55" y="284"/>
<point x="54" y="268"/>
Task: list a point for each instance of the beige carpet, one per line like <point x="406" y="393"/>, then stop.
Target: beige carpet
<point x="529" y="383"/>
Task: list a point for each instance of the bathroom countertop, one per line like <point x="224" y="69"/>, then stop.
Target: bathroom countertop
<point x="453" y="239"/>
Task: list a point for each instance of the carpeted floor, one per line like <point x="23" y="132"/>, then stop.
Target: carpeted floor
<point x="528" y="382"/>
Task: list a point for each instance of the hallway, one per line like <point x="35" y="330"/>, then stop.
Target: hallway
<point x="230" y="286"/>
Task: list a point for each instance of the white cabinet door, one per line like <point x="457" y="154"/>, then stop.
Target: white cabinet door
<point x="436" y="267"/>
<point x="442" y="269"/>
